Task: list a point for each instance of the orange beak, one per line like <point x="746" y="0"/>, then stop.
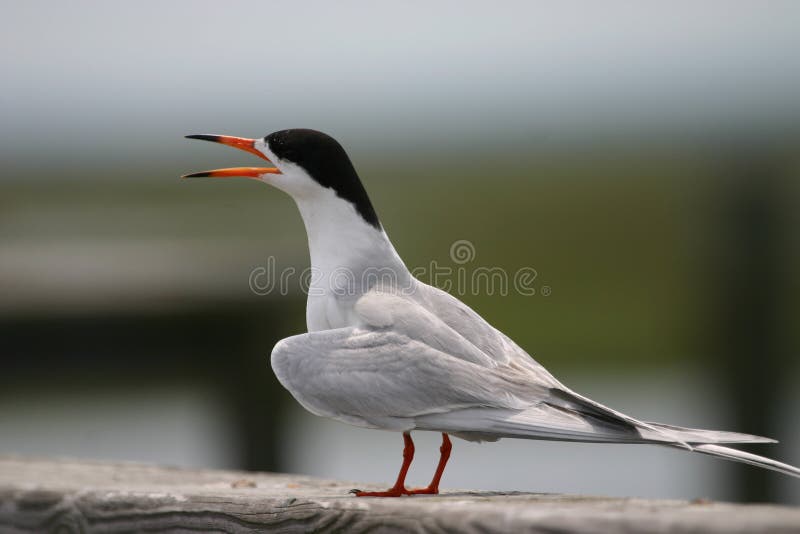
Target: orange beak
<point x="248" y="145"/>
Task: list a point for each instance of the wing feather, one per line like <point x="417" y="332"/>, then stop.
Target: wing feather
<point x="403" y="367"/>
<point x="374" y="375"/>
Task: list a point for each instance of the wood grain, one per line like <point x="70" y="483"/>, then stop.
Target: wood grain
<point x="39" y="495"/>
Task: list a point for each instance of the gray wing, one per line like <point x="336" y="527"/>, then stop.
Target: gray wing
<point x="471" y="326"/>
<point x="443" y="311"/>
<point x="467" y="336"/>
<point x="383" y="379"/>
<point x="403" y="365"/>
<point x="403" y="368"/>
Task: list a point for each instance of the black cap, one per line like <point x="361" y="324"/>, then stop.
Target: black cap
<point x="324" y="159"/>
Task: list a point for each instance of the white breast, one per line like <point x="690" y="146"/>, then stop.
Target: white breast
<point x="348" y="257"/>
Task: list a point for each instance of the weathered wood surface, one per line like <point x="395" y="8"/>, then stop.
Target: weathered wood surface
<point x="79" y="496"/>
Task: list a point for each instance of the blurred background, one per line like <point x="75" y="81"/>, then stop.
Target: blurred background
<point x="641" y="158"/>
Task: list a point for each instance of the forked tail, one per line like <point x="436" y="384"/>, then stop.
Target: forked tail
<point x="748" y="458"/>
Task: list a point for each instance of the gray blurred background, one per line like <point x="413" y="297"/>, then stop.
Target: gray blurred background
<point x="641" y="158"/>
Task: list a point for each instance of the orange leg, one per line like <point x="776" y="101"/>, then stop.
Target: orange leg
<point x="399" y="487"/>
<point x="433" y="487"/>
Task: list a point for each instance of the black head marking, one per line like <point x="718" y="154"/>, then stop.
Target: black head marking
<point x="324" y="159"/>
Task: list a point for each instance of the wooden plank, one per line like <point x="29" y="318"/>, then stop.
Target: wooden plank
<point x="39" y="495"/>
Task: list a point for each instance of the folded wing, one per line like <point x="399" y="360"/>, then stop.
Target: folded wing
<point x="402" y="368"/>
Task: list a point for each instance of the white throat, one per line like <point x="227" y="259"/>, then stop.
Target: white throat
<point x="341" y="241"/>
<point x="348" y="257"/>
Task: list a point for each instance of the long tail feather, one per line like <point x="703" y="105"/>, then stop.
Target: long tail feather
<point x="547" y="422"/>
<point x="747" y="458"/>
<point x="700" y="435"/>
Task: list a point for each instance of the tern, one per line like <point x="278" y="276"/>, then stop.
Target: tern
<point x="386" y="351"/>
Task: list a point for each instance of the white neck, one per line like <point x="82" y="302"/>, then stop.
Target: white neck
<point x="342" y="244"/>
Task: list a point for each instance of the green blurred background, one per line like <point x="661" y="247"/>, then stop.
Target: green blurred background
<point x="642" y="159"/>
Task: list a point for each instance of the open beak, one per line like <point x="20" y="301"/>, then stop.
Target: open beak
<point x="248" y="145"/>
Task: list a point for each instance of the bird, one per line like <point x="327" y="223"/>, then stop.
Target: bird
<point x="386" y="351"/>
